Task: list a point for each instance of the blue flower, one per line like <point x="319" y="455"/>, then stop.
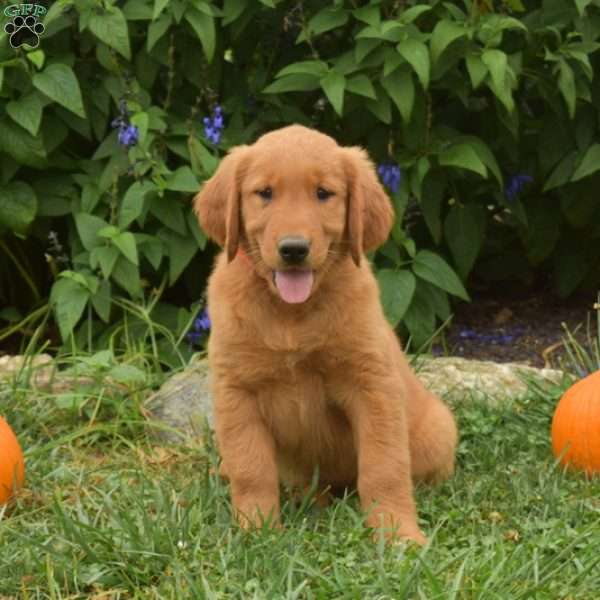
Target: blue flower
<point x="390" y="175"/>
<point x="202" y="323"/>
<point x="515" y="184"/>
<point x="213" y="126"/>
<point x="129" y="135"/>
<point x="200" y="326"/>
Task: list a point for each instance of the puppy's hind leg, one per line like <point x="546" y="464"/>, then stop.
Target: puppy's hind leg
<point x="433" y="442"/>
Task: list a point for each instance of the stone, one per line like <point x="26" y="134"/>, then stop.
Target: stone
<point x="38" y="368"/>
<point x="182" y="407"/>
<point x="459" y="379"/>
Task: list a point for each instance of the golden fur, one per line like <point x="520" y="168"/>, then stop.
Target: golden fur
<point x="322" y="383"/>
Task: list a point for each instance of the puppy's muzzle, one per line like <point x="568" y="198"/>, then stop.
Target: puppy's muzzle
<point x="293" y="250"/>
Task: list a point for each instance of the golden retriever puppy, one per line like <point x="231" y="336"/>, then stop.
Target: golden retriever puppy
<point x="306" y="371"/>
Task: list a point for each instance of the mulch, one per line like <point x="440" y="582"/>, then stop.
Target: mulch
<point x="527" y="329"/>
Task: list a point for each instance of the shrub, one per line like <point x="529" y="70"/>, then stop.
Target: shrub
<point x="489" y="110"/>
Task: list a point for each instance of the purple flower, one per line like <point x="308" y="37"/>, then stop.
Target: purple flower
<point x="213" y="126"/>
<point x="129" y="135"/>
<point x="202" y="323"/>
<point x="492" y="338"/>
<point x="390" y="176"/>
<point x="515" y="184"/>
<point x="200" y="326"/>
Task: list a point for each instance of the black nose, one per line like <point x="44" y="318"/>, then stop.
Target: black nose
<point x="293" y="250"/>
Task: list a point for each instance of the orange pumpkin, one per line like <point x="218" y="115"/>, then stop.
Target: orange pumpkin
<point x="12" y="465"/>
<point x="576" y="425"/>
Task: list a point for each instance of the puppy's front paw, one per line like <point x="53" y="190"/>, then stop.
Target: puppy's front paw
<point x="395" y="528"/>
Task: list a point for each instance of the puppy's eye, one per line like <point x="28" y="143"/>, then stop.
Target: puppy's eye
<point x="265" y="193"/>
<point x="323" y="194"/>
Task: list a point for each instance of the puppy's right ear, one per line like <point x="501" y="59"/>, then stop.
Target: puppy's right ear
<point x="217" y="205"/>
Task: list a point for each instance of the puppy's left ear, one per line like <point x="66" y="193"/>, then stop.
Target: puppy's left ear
<point x="217" y="205"/>
<point x="370" y="212"/>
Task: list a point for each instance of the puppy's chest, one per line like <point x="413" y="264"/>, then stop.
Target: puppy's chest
<point x="297" y="403"/>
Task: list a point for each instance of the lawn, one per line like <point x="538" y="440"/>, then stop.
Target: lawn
<point x="111" y="513"/>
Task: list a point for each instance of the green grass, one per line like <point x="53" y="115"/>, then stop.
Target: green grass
<point x="108" y="513"/>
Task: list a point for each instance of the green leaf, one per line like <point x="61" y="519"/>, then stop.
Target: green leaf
<point x="127" y="275"/>
<point x="37" y="57"/>
<point x="159" y="6"/>
<point x="487" y="157"/>
<point x="110" y="27"/>
<point x="203" y="161"/>
<point x="156" y="29"/>
<point x="21" y="145"/>
<point x="132" y="204"/>
<point x="168" y="213"/>
<point x="141" y="120"/>
<point x="364" y="47"/>
<point x="59" y="83"/>
<point x="463" y="156"/>
<point x="444" y="33"/>
<point x="590" y="163"/>
<point x="318" y="68"/>
<point x="420" y="317"/>
<point x="562" y="172"/>
<point x="27" y="112"/>
<point x="496" y="62"/>
<point x="416" y="54"/>
<point x="183" y="180"/>
<point x="18" y="206"/>
<point x="401" y="89"/>
<point x="362" y="86"/>
<point x="101" y="300"/>
<point x="333" y="85"/>
<point x="105" y="257"/>
<point x="566" y="85"/>
<point x="368" y="14"/>
<point x="433" y="268"/>
<point x="204" y="26"/>
<point x="396" y="290"/>
<point x="108" y="233"/>
<point x="68" y="299"/>
<point x="125" y="242"/>
<point x="581" y="6"/>
<point x="88" y="227"/>
<point x="477" y="69"/>
<point x="181" y="250"/>
<point x="195" y="230"/>
<point x="414" y="12"/>
<point x="232" y="9"/>
<point x="151" y="247"/>
<point x="327" y="19"/>
<point x="127" y="374"/>
<point x="462" y="229"/>
<point x="300" y="82"/>
<point x="90" y="196"/>
<point x="432" y="195"/>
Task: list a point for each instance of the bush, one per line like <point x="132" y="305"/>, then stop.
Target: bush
<point x="489" y="109"/>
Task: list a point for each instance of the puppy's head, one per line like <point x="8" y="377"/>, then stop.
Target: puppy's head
<point x="296" y="203"/>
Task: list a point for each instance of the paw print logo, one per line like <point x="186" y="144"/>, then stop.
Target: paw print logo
<point x="24" y="30"/>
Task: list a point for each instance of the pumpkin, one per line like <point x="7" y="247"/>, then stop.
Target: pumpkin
<point x="12" y="465"/>
<point x="576" y="425"/>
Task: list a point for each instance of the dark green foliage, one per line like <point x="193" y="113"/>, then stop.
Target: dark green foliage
<point x="489" y="108"/>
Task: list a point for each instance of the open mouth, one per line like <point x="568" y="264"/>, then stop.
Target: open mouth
<point x="294" y="285"/>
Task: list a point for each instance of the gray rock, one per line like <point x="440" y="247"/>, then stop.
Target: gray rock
<point x="182" y="407"/>
<point x="458" y="379"/>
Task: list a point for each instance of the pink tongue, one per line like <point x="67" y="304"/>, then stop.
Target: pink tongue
<point x="294" y="286"/>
